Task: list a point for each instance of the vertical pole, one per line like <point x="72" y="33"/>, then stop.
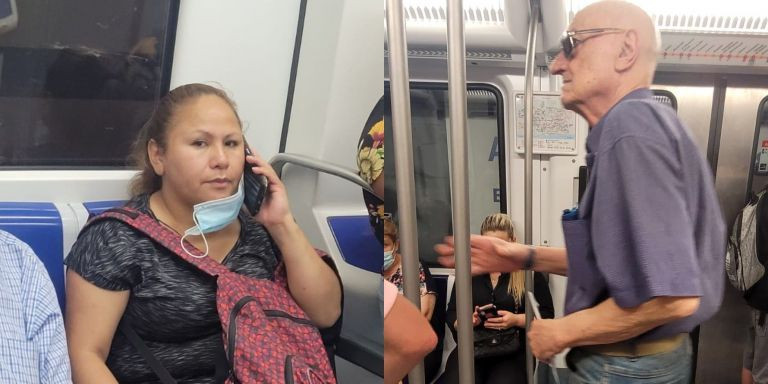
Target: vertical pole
<point x="529" y="70"/>
<point x="401" y="130"/>
<point x="457" y="97"/>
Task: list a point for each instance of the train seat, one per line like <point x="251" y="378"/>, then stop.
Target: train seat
<point x="356" y="241"/>
<point x="96" y="207"/>
<point x="40" y="226"/>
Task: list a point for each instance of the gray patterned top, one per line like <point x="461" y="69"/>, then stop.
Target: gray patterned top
<point x="172" y="305"/>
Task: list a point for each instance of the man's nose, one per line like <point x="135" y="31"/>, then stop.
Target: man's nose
<point x="557" y="66"/>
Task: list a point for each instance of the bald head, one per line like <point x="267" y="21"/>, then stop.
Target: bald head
<point x="612" y="51"/>
<point x="627" y="16"/>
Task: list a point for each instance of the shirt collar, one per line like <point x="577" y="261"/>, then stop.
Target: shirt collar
<point x="593" y="138"/>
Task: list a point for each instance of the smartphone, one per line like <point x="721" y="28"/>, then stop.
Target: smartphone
<point x="487" y="311"/>
<point x="254" y="186"/>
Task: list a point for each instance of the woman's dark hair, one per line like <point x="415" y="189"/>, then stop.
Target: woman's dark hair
<point x="156" y="128"/>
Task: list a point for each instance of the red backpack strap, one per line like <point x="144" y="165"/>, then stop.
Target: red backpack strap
<point x="163" y="236"/>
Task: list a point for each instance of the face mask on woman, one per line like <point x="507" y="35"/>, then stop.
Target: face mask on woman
<point x="213" y="215"/>
<point x="389" y="259"/>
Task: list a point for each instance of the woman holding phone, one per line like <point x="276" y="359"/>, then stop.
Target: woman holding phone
<point x="499" y="317"/>
<point x="191" y="158"/>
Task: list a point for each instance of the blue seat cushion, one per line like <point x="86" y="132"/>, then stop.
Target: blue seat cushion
<point x="357" y="242"/>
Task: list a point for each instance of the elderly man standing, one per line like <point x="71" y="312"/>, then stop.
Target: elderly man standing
<point x="33" y="346"/>
<point x="645" y="249"/>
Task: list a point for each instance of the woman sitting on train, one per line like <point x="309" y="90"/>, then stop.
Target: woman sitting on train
<point x="503" y="318"/>
<point x="189" y="153"/>
<point x="393" y="272"/>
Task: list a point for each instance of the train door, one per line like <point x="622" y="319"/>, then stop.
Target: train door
<point x="721" y="342"/>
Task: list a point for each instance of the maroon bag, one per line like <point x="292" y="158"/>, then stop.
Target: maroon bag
<point x="267" y="337"/>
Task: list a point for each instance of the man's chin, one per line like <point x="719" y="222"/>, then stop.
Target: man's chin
<point x="568" y="103"/>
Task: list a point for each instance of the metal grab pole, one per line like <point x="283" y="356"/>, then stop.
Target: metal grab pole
<point x="529" y="68"/>
<point x="457" y="97"/>
<point x="401" y="130"/>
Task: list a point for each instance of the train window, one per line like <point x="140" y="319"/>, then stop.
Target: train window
<point x="78" y="79"/>
<point x="431" y="153"/>
<point x="760" y="147"/>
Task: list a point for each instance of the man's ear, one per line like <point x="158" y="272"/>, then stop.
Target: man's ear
<point x="156" y="157"/>
<point x="629" y="52"/>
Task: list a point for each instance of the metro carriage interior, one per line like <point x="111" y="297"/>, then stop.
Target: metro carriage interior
<point x="76" y="85"/>
<point x="712" y="70"/>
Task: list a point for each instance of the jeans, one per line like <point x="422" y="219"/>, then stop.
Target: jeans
<point x="673" y="367"/>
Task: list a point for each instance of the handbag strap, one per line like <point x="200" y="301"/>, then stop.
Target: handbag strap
<point x="164" y="236"/>
<point x="162" y="373"/>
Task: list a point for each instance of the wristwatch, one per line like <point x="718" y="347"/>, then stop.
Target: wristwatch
<point x="530" y="259"/>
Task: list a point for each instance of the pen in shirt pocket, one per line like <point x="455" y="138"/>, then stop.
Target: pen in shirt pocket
<point x="571" y="214"/>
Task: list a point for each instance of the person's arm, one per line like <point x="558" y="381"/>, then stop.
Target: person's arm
<point x="311" y="281"/>
<point x="428" y="305"/>
<point x="606" y="323"/>
<point x="428" y="294"/>
<point x="92" y="317"/>
<point x="543" y="296"/>
<point x="508" y="319"/>
<point x="450" y="313"/>
<point x="746" y="376"/>
<point x="489" y="254"/>
<point x="408" y="337"/>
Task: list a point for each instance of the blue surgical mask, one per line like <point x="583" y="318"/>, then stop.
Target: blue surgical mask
<point x="389" y="258"/>
<point x="213" y="215"/>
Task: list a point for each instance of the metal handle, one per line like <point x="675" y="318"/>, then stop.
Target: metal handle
<point x="281" y="159"/>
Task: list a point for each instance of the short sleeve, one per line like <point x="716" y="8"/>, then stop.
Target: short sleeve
<point x="108" y="254"/>
<point x="642" y="233"/>
<point x="390" y="294"/>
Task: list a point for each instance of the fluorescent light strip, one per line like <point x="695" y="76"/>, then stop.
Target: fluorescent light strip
<point x="739" y="16"/>
<point x="434" y="11"/>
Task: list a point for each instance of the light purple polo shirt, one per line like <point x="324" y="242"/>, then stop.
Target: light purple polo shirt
<point x="649" y="223"/>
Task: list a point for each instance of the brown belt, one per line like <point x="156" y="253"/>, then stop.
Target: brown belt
<point x="638" y="348"/>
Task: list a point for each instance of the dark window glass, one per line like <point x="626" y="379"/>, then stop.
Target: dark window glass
<point x="78" y="79"/>
<point x="430" y="125"/>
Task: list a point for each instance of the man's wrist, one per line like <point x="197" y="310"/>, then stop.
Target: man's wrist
<point x="530" y="259"/>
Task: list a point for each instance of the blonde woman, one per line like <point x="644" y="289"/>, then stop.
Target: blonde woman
<point x="506" y="292"/>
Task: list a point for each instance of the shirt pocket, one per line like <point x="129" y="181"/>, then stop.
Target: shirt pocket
<point x="585" y="284"/>
<point x="18" y="361"/>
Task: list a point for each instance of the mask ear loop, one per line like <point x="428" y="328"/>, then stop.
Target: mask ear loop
<point x="204" y="241"/>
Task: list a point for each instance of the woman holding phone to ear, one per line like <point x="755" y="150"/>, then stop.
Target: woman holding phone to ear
<point x="191" y="157"/>
<point x="504" y="292"/>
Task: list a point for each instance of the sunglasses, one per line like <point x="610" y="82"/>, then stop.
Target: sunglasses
<point x="569" y="42"/>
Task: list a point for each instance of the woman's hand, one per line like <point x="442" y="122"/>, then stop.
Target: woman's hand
<point x="275" y="208"/>
<point x="476" y="317"/>
<point x="505" y="320"/>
